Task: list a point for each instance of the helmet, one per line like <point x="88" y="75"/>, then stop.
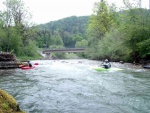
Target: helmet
<point x="106" y="60"/>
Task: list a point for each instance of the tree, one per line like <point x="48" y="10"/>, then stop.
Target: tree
<point x="137" y="32"/>
<point x="13" y="43"/>
<point x="132" y="4"/>
<point x="16" y="14"/>
<point x="81" y="44"/>
<point x="16" y="33"/>
<point x="70" y="29"/>
<point x="100" y="23"/>
<point x="112" y="46"/>
<point x="56" y="40"/>
<point x="78" y="37"/>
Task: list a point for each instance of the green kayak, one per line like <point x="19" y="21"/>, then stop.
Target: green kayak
<point x="104" y="69"/>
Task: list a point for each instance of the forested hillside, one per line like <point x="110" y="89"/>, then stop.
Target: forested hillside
<point x="63" y="33"/>
<point x="107" y="33"/>
<point x="122" y="35"/>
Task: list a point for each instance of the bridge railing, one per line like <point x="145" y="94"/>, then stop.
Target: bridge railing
<point x="64" y="50"/>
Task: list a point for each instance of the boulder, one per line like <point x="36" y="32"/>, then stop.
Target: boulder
<point x="147" y="66"/>
<point x="8" y="104"/>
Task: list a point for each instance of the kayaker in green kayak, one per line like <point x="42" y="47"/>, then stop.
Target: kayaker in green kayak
<point x="106" y="64"/>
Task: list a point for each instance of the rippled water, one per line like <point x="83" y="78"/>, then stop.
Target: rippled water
<point x="72" y="86"/>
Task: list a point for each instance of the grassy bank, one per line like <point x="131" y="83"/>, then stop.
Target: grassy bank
<point x="25" y="58"/>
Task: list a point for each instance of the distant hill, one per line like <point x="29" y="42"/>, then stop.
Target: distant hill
<point x="69" y="29"/>
<point x="70" y="24"/>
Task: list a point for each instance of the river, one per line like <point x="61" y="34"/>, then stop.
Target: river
<point x="72" y="86"/>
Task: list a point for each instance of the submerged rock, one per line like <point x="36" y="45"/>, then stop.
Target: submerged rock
<point x="8" y="104"/>
<point x="147" y="66"/>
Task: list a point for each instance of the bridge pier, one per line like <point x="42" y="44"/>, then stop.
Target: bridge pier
<point x="48" y="56"/>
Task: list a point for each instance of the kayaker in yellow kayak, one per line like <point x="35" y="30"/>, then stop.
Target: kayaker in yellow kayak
<point x="106" y="64"/>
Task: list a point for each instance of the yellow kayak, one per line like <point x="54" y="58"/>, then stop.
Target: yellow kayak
<point x="104" y="69"/>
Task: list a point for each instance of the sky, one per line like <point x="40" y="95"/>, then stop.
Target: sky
<point x="49" y="10"/>
<point x="44" y="11"/>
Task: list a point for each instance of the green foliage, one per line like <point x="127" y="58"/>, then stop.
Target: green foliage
<point x="30" y="49"/>
<point x="144" y="49"/>
<point x="58" y="55"/>
<point x="56" y="40"/>
<point x="78" y="37"/>
<point x="100" y="23"/>
<point x="119" y="36"/>
<point x="72" y="56"/>
<point x="112" y="46"/>
<point x="136" y="28"/>
<point x="82" y="44"/>
<point x="25" y="58"/>
<point x="15" y="34"/>
<point x="15" y="39"/>
<point x="123" y="35"/>
<point x="11" y="40"/>
<point x="70" y="30"/>
<point x="56" y="47"/>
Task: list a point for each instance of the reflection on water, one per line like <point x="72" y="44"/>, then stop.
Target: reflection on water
<point x="72" y="86"/>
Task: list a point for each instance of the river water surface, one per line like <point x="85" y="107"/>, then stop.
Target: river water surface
<point x="72" y="86"/>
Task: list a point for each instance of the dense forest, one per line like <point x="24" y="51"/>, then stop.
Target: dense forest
<point x="64" y="32"/>
<point x="107" y="33"/>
